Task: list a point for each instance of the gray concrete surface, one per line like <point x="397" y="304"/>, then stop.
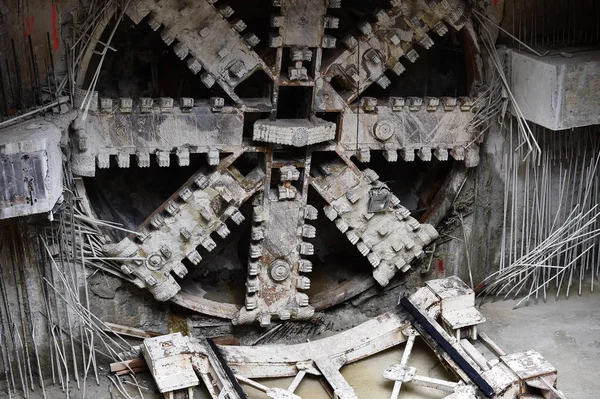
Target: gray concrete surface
<point x="30" y="168"/>
<point x="566" y="332"/>
<point x="557" y="91"/>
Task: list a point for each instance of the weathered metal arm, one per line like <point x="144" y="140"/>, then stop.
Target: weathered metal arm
<point x="391" y="239"/>
<point x="185" y="221"/>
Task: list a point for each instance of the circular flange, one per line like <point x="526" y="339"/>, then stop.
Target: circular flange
<point x="279" y="270"/>
<point x="154" y="262"/>
<point x="383" y="130"/>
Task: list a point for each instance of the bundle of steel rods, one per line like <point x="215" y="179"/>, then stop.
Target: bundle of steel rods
<point x="557" y="259"/>
<point x="83" y="35"/>
<point x="87" y="101"/>
<point x="55" y="328"/>
<point x="497" y="65"/>
<point x="550" y="223"/>
<point x="90" y="233"/>
<point x="72" y="244"/>
<point x="551" y="191"/>
<point x="49" y="84"/>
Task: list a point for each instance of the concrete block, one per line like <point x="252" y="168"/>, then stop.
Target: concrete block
<point x="555" y="91"/>
<point x="170" y="362"/>
<point x="30" y="168"/>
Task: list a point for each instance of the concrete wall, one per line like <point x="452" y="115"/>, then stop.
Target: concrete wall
<point x="479" y="233"/>
<point x="19" y="22"/>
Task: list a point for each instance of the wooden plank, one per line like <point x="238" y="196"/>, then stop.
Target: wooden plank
<point x="474" y="354"/>
<point x="223" y="372"/>
<point x="404" y="361"/>
<point x="138" y="362"/>
<point x="435" y="383"/>
<point x="491" y="345"/>
<point x="226" y="340"/>
<point x="326" y="387"/>
<point x="297" y="379"/>
<point x="132" y="371"/>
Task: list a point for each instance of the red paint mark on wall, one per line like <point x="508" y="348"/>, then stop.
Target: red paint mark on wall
<point x="29" y="26"/>
<point x="440" y="266"/>
<point x="54" y="30"/>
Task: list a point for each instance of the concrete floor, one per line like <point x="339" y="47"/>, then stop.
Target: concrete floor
<point x="566" y="332"/>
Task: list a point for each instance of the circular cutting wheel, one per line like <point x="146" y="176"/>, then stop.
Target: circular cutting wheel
<point x="267" y="176"/>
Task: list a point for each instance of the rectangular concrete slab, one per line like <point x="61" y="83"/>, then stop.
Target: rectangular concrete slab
<point x="557" y="91"/>
<point x="529" y="364"/>
<point x="170" y="362"/>
<point x="30" y="168"/>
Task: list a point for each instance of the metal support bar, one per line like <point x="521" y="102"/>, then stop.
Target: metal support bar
<point x="491" y="345"/>
<point x="474" y="354"/>
<point x="423" y="321"/>
<point x="404" y="362"/>
<point x="434" y="383"/>
<point x="341" y="388"/>
<point x="236" y="385"/>
<point x="297" y="381"/>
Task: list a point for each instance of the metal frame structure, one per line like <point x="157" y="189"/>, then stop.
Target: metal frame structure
<point x="424" y="314"/>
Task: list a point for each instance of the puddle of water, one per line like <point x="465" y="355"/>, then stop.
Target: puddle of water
<point x="365" y="376"/>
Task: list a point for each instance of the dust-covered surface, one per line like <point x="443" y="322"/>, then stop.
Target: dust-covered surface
<point x="566" y="332"/>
